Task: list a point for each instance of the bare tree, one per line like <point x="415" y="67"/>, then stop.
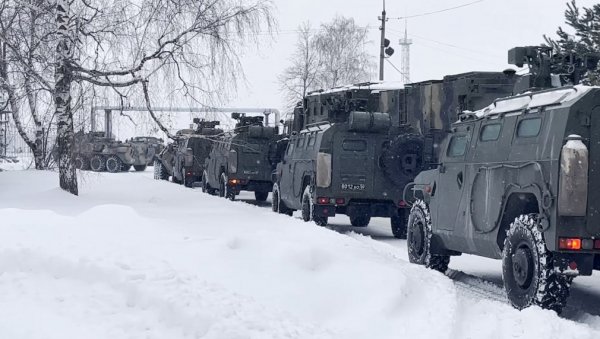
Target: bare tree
<point x="334" y="55"/>
<point x="343" y="53"/>
<point x="189" y="47"/>
<point x="300" y="77"/>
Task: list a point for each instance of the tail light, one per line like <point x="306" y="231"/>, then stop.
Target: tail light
<point x="573" y="244"/>
<point x="322" y="201"/>
<point x="402" y="203"/>
<point x="340" y="201"/>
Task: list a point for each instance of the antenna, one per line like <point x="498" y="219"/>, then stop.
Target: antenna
<point x="405" y="52"/>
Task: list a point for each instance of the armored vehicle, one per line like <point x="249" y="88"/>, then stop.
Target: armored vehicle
<point x="99" y="153"/>
<point x="163" y="162"/>
<point x="517" y="181"/>
<point x="243" y="160"/>
<point x="144" y="151"/>
<point x="355" y="148"/>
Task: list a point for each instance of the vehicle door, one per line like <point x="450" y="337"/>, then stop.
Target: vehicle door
<point x="286" y="175"/>
<point x="302" y="166"/>
<point x="450" y="187"/>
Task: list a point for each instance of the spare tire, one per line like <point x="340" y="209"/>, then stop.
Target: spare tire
<point x="402" y="159"/>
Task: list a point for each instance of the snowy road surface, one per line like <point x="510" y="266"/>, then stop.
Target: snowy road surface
<point x="137" y="258"/>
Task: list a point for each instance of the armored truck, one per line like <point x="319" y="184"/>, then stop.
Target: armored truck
<point x="242" y="160"/>
<point x="96" y="151"/>
<point x="144" y="151"/>
<point x="517" y="181"/>
<point x="354" y="148"/>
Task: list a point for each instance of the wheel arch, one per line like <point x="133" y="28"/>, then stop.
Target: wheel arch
<point x="516" y="203"/>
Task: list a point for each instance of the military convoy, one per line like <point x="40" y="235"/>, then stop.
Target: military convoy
<point x="242" y="160"/>
<point x="515" y="181"/>
<point x="144" y="151"/>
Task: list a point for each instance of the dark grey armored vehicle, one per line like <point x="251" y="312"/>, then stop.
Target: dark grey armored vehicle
<point x="517" y="181"/>
<point x="144" y="151"/>
<point x="99" y="153"/>
<point x="354" y="149"/>
<point x="242" y="160"/>
<point x="183" y="159"/>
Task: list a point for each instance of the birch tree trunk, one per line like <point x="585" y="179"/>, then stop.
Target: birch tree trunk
<point x="62" y="99"/>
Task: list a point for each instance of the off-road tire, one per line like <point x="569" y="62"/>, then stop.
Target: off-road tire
<point x="205" y="186"/>
<point x="114" y="164"/>
<point x="360" y="220"/>
<point x="527" y="268"/>
<point x="159" y="171"/>
<point x="227" y="193"/>
<point x="399" y="223"/>
<point x="139" y="168"/>
<point x="125" y="168"/>
<point x="277" y="205"/>
<point x="97" y="163"/>
<point x="82" y="163"/>
<point x="187" y="181"/>
<point x="393" y="158"/>
<point x="307" y="209"/>
<point x="419" y="239"/>
<point x="261" y="196"/>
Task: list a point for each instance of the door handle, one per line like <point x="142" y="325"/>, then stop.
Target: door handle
<point x="459" y="179"/>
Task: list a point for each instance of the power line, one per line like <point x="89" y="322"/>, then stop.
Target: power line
<point x="394" y="66"/>
<point x="438" y="11"/>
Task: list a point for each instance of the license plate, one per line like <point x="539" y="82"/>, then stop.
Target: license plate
<point x="353" y="187"/>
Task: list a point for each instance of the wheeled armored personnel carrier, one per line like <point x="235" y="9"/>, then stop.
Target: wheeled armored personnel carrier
<point x="242" y="160"/>
<point x="99" y="153"/>
<point x="183" y="159"/>
<point x="355" y="148"/>
<point x="144" y="151"/>
<point x="518" y="181"/>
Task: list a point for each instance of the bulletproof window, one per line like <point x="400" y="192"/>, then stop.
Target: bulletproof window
<point x="300" y="141"/>
<point x="457" y="146"/>
<point x="290" y="147"/>
<point x="529" y="128"/>
<point x="354" y="145"/>
<point x="490" y="132"/>
<point x="312" y="139"/>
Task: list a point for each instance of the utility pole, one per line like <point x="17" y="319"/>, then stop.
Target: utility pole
<point x="383" y="44"/>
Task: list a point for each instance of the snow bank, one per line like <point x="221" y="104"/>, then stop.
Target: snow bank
<point x="137" y="258"/>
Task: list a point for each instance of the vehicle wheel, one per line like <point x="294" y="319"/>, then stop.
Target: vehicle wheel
<point x="206" y="186"/>
<point x="125" y="168"/>
<point x="261" y="196"/>
<point x="228" y="193"/>
<point x="307" y="209"/>
<point x="277" y="205"/>
<point x="113" y="164"/>
<point x="419" y="239"/>
<point x="399" y="223"/>
<point x="97" y="163"/>
<point x="187" y="181"/>
<point x="82" y="163"/>
<point x="139" y="168"/>
<point x="527" y="268"/>
<point x="159" y="171"/>
<point x="360" y="220"/>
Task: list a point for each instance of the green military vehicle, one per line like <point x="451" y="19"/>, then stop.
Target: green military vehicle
<point x="183" y="159"/>
<point x="242" y="160"/>
<point x="353" y="149"/>
<point x="99" y="153"/>
<point x="144" y="151"/>
<point x="518" y="181"/>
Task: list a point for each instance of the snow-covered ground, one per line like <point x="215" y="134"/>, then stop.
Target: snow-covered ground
<point x="132" y="257"/>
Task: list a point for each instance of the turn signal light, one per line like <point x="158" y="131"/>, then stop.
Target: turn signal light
<point x="322" y="200"/>
<point x="234" y="181"/>
<point x="569" y="243"/>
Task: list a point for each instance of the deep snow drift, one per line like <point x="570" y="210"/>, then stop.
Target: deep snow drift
<point x="137" y="258"/>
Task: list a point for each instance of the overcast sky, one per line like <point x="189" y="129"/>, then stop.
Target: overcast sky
<point x="472" y="38"/>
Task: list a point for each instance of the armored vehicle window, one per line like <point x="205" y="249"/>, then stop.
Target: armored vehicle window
<point x="354" y="145"/>
<point x="490" y="132"/>
<point x="251" y="148"/>
<point x="311" y="139"/>
<point x="528" y="128"/>
<point x="300" y="142"/>
<point x="457" y="146"/>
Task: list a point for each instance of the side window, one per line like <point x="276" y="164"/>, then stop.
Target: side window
<point x="490" y="132"/>
<point x="529" y="128"/>
<point x="300" y="141"/>
<point x="457" y="146"/>
<point x="311" y="139"/>
<point x="290" y="147"/>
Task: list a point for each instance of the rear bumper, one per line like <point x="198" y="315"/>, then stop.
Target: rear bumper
<point x="374" y="209"/>
<point x="251" y="185"/>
